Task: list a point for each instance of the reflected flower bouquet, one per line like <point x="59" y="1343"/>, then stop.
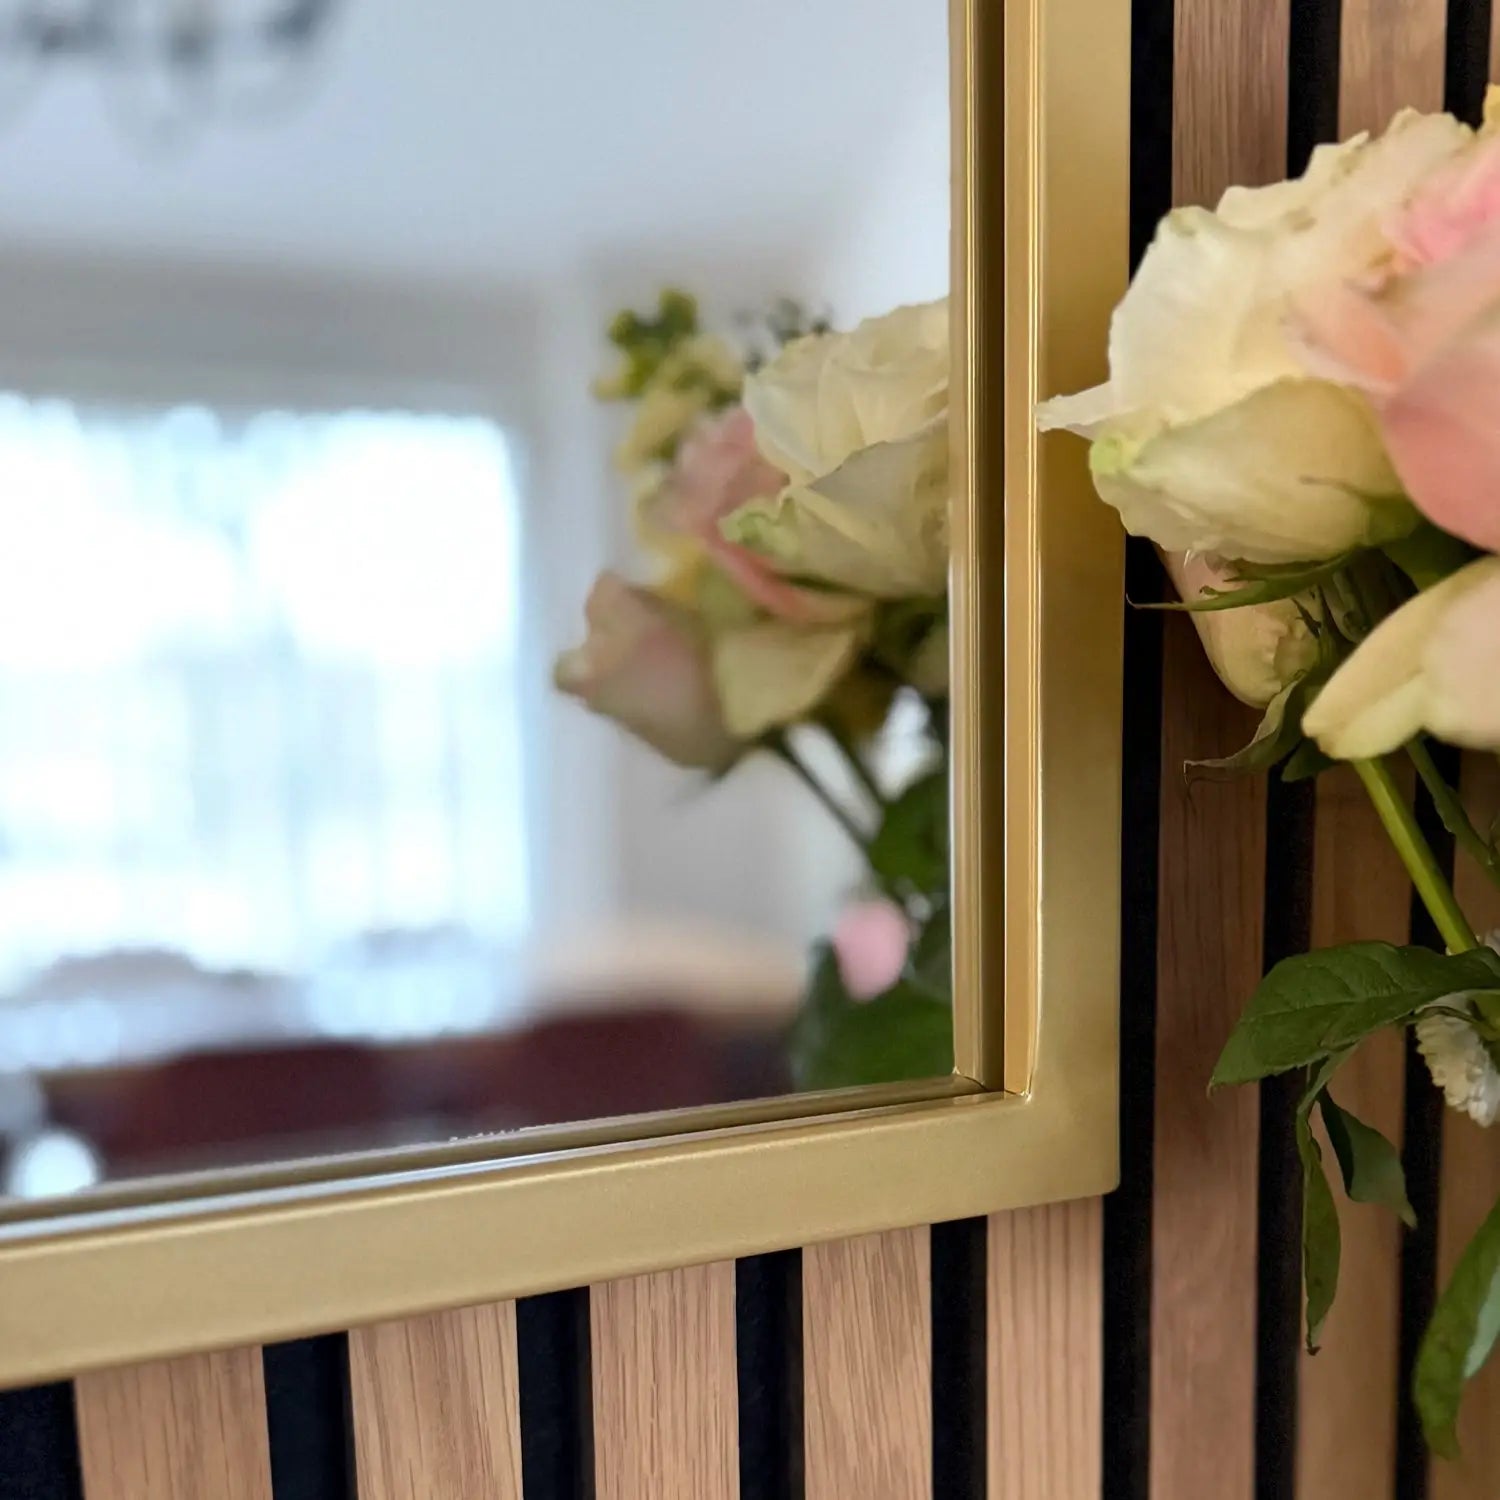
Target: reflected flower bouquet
<point x="797" y="502"/>
<point x="1303" y="412"/>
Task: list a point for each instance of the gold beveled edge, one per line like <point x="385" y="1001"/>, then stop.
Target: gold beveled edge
<point x="312" y="1260"/>
<point x="311" y="1256"/>
<point x="977" y="677"/>
<point x="17" y="1216"/>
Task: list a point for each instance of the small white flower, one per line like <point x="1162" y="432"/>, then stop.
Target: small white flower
<point x="1460" y="1066"/>
<point x="1459" y="1062"/>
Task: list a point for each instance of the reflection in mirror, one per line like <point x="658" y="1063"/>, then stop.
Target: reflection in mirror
<point x="472" y="603"/>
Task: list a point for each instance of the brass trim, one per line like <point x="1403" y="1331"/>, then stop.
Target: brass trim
<point x="475" y="1150"/>
<point x="1040" y="229"/>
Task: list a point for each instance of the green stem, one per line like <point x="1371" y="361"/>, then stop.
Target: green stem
<point x="1416" y="854"/>
<point x="779" y="747"/>
<point x="862" y="773"/>
<point x="1451" y="810"/>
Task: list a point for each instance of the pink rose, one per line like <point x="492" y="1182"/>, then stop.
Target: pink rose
<point x="869" y="945"/>
<point x="1424" y="343"/>
<point x="717" y="470"/>
<point x="647" y="665"/>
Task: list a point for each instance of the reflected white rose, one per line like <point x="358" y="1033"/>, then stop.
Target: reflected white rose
<point x="858" y="423"/>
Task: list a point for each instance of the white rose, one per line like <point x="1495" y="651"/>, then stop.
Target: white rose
<point x="859" y="424"/>
<point x="1257" y="649"/>
<point x="1210" y="435"/>
<point x="1433" y="665"/>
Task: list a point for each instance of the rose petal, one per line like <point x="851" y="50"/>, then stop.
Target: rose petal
<point x="1443" y="432"/>
<point x="1295" y="472"/>
<point x="647" y="666"/>
<point x="876" y="526"/>
<point x="1396" y="684"/>
<point x="1256" y="650"/>
<point x="870" y="942"/>
<point x="773" y="673"/>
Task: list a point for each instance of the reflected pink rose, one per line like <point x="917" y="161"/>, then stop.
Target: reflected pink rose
<point x="718" y="469"/>
<point x="869" y="944"/>
<point x="1425" y="344"/>
<point x="647" y="665"/>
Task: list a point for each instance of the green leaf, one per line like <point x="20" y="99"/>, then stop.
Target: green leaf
<point x="1459" y="1338"/>
<point x="1429" y="554"/>
<point x="1370" y="1164"/>
<point x="1321" y="1238"/>
<point x="931" y="961"/>
<point x="910" y="849"/>
<point x="1321" y="1246"/>
<point x="1316" y="1004"/>
<point x="1261" y="585"/>
<point x="1306" y="762"/>
<point x="839" y="1042"/>
<point x="1279" y="733"/>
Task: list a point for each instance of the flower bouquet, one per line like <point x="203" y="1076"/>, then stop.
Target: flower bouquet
<point x="1303" y="412"/>
<point x="795" y="494"/>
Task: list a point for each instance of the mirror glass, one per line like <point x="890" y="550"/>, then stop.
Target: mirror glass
<point x="472" y="603"/>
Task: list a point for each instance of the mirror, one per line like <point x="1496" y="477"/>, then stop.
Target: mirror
<point x="341" y="352"/>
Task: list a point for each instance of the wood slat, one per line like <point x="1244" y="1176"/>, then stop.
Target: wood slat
<point x="436" y="1406"/>
<point x="867" y="1361"/>
<point x="1230" y="95"/>
<point x="177" y="1429"/>
<point x="1495" y="43"/>
<point x="1046" y="1352"/>
<point x="1204" y="1213"/>
<point x="1391" y="58"/>
<point x="666" y="1411"/>
<point x="1230" y="120"/>
<point x="1470" y="1186"/>
<point x="1360" y="891"/>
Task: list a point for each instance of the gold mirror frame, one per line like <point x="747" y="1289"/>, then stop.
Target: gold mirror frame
<point x="1041" y="130"/>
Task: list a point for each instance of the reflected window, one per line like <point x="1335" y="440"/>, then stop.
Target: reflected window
<point x="259" y="682"/>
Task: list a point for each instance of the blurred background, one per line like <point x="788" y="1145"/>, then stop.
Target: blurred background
<point x="301" y="490"/>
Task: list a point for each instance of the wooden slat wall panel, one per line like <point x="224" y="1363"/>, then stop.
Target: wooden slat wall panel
<point x="1470" y="1186"/>
<point x="1204" y="1216"/>
<point x="1230" y="112"/>
<point x="1360" y="891"/>
<point x="1230" y="87"/>
<point x="666" y="1413"/>
<point x="178" y="1429"/>
<point x="436" y="1406"/>
<point x="1391" y="57"/>
<point x="1045" y="1353"/>
<point x="867" y="1362"/>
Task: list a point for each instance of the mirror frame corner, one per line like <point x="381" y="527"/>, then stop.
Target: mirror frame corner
<point x="1041" y="158"/>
